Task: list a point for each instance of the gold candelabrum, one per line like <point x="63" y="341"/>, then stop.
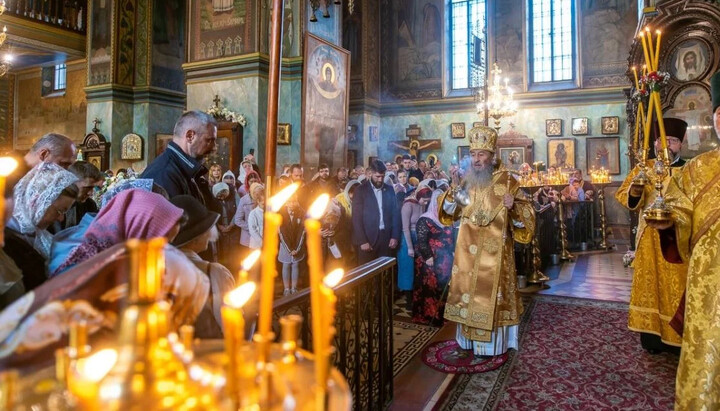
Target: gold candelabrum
<point x="536" y="277"/>
<point x="650" y="86"/>
<point x="151" y="367"/>
<point x="498" y="102"/>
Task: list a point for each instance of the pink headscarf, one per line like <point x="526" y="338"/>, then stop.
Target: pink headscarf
<point x="433" y="209"/>
<point x="131" y="214"/>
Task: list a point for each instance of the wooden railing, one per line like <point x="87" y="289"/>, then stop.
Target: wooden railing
<point x="66" y="14"/>
<point x="364" y="337"/>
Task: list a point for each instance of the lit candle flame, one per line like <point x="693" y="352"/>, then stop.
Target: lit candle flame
<point x="333" y="279"/>
<point x="277" y="201"/>
<point x="657" y="32"/>
<point x="95" y="367"/>
<point x="317" y="209"/>
<point x="239" y="296"/>
<point x="251" y="259"/>
<point x="7" y="165"/>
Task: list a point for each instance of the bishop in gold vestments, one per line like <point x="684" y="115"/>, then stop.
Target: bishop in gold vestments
<point x="658" y="285"/>
<point x="694" y="198"/>
<point x="483" y="297"/>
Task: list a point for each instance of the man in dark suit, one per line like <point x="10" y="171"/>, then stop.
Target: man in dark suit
<point x="375" y="217"/>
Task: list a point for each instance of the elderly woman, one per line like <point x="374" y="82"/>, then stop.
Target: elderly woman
<point x="41" y="198"/>
<point x="413" y="207"/>
<point x="435" y="249"/>
<point x="336" y="244"/>
<point x="144" y="215"/>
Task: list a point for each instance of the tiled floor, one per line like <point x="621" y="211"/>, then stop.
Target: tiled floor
<point x="595" y="275"/>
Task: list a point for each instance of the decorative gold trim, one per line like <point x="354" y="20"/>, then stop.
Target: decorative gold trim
<point x="29" y="29"/>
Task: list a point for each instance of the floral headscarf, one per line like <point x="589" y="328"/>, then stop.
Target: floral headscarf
<point x="131" y="214"/>
<point x="139" y="183"/>
<point x="33" y="195"/>
<point x="422" y="189"/>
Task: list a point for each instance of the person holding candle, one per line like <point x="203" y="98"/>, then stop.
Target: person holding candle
<point x="41" y="198"/>
<point x="193" y="239"/>
<point x="494" y="213"/>
<point x="691" y="238"/>
<point x="657" y="284"/>
<point x="292" y="244"/>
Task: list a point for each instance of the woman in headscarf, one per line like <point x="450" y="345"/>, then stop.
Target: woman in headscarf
<point x="412" y="208"/>
<point x="250" y="178"/>
<point x="145" y="215"/>
<point x="256" y="217"/>
<point x="229" y="240"/>
<point x="247" y="204"/>
<point x="433" y="265"/>
<point x="229" y="179"/>
<point x="345" y="198"/>
<point x="66" y="240"/>
<point x="41" y="198"/>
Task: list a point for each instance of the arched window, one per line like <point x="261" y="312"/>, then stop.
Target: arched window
<point x="552" y="40"/>
<point x="468" y="42"/>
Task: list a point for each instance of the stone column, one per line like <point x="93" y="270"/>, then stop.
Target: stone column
<point x="136" y="49"/>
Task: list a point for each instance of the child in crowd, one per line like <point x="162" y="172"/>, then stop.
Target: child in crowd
<point x="229" y="232"/>
<point x="255" y="219"/>
<point x="292" y="244"/>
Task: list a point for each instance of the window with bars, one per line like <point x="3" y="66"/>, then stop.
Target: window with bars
<point x="60" y="80"/>
<point x="552" y="40"/>
<point x="468" y="39"/>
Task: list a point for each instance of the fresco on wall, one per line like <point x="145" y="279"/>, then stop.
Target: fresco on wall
<point x="168" y="44"/>
<point x="325" y="104"/>
<point x="352" y="40"/>
<point x="291" y="27"/>
<point x="412" y="63"/>
<point x="607" y="31"/>
<point x="100" y="41"/>
<point x="509" y="41"/>
<point x="221" y="28"/>
<point x="37" y="116"/>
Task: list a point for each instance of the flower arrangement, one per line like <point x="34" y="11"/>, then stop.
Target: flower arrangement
<point x="109" y="183"/>
<point x="226" y="115"/>
<point x="640" y="95"/>
<point x="655" y="80"/>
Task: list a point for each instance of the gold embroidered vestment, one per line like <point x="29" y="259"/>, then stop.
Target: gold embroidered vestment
<point x="483" y="288"/>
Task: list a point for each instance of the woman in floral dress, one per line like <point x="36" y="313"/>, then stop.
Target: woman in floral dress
<point x="433" y="266"/>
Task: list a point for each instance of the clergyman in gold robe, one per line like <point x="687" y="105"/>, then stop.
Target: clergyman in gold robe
<point x="493" y="212"/>
<point x="657" y="285"/>
<point x="693" y="236"/>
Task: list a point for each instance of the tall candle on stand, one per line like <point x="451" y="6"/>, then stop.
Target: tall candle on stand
<point x="270" y="250"/>
<point x="315" y="264"/>
<point x="246" y="265"/>
<point x="651" y="51"/>
<point x="7" y="166"/>
<point x="645" y="50"/>
<point x="234" y="332"/>
<point x="656" y="60"/>
<point x="328" y="300"/>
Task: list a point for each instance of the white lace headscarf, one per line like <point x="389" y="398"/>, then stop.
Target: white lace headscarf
<point x="33" y="195"/>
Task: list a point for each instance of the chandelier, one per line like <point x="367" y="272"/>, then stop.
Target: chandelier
<point x="497" y="101"/>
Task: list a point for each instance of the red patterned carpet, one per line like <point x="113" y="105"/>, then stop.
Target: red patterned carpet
<point x="574" y="355"/>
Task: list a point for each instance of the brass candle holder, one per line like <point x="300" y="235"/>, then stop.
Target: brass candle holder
<point x="537" y="276"/>
<point x="564" y="253"/>
<point x="659" y="211"/>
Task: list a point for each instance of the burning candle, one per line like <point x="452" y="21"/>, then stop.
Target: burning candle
<point x="270" y="250"/>
<point x="7" y="166"/>
<point x="246" y="265"/>
<point x="637" y="84"/>
<point x="315" y="263"/>
<point x="651" y="50"/>
<point x="234" y="331"/>
<point x="645" y="49"/>
<point x="656" y="59"/>
<point x="86" y="375"/>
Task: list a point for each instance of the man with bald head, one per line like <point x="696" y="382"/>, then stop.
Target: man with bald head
<point x="52" y="148"/>
<point x="179" y="169"/>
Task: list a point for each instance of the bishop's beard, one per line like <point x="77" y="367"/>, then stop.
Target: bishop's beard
<point x="479" y="178"/>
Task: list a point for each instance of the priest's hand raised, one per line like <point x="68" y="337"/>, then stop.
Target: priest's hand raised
<point x="508" y="201"/>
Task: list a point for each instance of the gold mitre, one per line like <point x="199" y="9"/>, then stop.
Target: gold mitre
<point x="482" y="138"/>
